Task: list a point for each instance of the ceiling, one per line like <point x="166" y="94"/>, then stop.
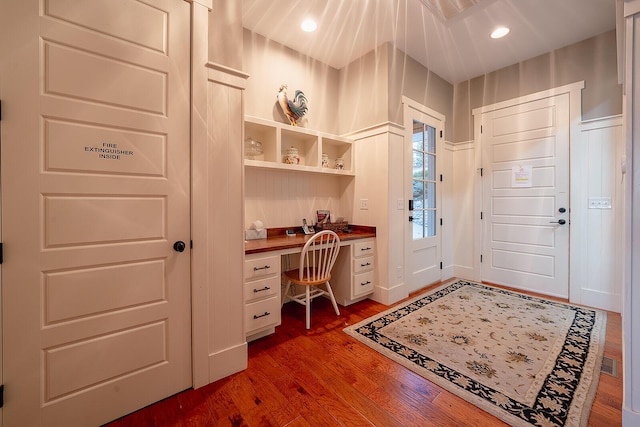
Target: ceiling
<point x="449" y="37"/>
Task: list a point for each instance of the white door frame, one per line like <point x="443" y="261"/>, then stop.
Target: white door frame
<point x="410" y="109"/>
<point x="576" y="241"/>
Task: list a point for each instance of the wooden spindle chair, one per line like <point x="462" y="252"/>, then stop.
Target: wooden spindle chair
<point x="316" y="261"/>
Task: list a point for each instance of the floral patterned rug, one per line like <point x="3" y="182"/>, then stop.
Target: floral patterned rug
<point x="527" y="360"/>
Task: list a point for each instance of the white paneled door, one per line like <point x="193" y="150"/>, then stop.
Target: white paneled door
<point x="525" y="216"/>
<point x="95" y="192"/>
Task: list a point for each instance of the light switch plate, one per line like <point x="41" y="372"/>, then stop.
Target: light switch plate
<point x="364" y="204"/>
<point x="599" y="202"/>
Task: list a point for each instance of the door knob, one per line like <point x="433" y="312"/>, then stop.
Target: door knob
<point x="562" y="210"/>
<point x="179" y="246"/>
<point x="560" y="221"/>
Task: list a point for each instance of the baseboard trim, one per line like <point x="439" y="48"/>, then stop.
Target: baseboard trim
<point x="388" y="296"/>
<point x="227" y="362"/>
<point x="463" y="272"/>
<point x="448" y="272"/>
<point x="601" y="300"/>
<point x="630" y="418"/>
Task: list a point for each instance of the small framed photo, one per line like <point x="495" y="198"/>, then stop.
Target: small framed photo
<point x="323" y="216"/>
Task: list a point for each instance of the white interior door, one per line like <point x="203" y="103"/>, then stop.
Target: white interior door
<point x="95" y="191"/>
<point x="525" y="160"/>
<point x="422" y="182"/>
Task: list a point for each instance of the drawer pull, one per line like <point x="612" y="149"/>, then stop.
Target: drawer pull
<point x="365" y="249"/>
<point x="365" y="283"/>
<point x="266" y="288"/>
<point x="364" y="265"/>
<point x="255" y="316"/>
<point x="266" y="267"/>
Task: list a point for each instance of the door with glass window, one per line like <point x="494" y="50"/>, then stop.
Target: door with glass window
<point x="423" y="232"/>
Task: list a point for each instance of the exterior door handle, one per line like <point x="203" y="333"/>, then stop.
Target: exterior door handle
<point x="560" y="221"/>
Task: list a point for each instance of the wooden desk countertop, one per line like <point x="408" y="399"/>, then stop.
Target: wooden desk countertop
<point x="277" y="239"/>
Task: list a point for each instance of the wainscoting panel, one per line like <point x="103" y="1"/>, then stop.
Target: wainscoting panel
<point x="282" y="198"/>
<point x="597" y="239"/>
<point x="466" y="174"/>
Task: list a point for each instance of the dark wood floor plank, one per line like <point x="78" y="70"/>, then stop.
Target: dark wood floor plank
<point x="464" y="413"/>
<point x="357" y="357"/>
<point x="309" y="369"/>
<point x="326" y="397"/>
<point x="224" y="411"/>
<point x="363" y="404"/>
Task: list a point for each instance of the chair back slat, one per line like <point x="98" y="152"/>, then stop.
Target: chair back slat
<point x="318" y="256"/>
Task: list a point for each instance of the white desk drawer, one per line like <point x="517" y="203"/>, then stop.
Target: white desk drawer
<point x="260" y="267"/>
<point x="362" y="283"/>
<point x="363" y="249"/>
<point x="261" y="314"/>
<point x="362" y="264"/>
<point x="262" y="288"/>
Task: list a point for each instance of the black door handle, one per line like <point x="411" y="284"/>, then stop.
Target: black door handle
<point x="179" y="246"/>
<point x="560" y="221"/>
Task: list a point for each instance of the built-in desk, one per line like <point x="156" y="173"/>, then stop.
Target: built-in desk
<point x="352" y="277"/>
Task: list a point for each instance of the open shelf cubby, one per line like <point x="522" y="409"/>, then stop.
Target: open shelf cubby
<point x="276" y="138"/>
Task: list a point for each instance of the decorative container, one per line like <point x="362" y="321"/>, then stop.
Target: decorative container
<point x="292" y="157"/>
<point x="252" y="148"/>
<point x="333" y="226"/>
<point x="339" y="163"/>
<point x="325" y="160"/>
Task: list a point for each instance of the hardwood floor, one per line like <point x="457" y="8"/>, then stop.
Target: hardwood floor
<point x="322" y="377"/>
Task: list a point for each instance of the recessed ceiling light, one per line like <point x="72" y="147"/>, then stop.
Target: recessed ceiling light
<point x="499" y="32"/>
<point x="309" y="25"/>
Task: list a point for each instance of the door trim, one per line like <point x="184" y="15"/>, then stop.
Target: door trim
<point x="410" y="105"/>
<point x="576" y="241"/>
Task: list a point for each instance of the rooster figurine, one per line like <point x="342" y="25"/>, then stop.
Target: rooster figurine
<point x="295" y="109"/>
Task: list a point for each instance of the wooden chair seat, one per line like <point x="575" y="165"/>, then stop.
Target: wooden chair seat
<point x="294" y="277"/>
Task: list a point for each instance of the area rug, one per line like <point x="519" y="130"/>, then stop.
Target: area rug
<point x="526" y="360"/>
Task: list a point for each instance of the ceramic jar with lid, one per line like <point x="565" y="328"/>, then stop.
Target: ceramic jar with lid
<point x="325" y="160"/>
<point x="291" y="156"/>
<point x="339" y="163"/>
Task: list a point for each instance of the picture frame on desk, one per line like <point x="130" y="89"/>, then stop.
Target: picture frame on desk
<point x="323" y="217"/>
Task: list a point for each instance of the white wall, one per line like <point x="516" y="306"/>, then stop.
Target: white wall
<point x="283" y="198"/>
<point x="464" y="210"/>
<point x="598" y="252"/>
<point x="377" y="154"/>
<point x="270" y="65"/>
<point x="219" y="347"/>
<point x="630" y="314"/>
<point x="447" y="211"/>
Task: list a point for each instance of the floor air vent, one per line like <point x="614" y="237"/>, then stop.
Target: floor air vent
<point x="609" y="366"/>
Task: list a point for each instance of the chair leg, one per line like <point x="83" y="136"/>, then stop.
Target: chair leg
<point x="333" y="299"/>
<point x="308" y="307"/>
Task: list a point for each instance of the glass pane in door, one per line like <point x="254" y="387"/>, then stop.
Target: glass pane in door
<point x="424" y="180"/>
